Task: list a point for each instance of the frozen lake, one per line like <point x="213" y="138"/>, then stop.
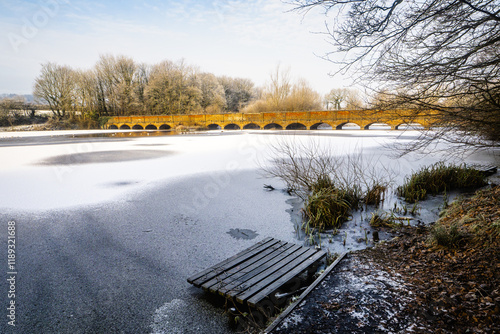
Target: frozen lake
<point x="108" y="228"/>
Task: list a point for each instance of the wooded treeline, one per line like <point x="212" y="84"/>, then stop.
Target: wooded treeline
<point x="117" y="85"/>
<point x="15" y="110"/>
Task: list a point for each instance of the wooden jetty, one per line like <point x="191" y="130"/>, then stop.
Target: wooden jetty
<point x="260" y="272"/>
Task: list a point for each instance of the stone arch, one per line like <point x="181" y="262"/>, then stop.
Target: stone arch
<point x="251" y="126"/>
<point x="296" y="126"/>
<point x="353" y="125"/>
<point x="113" y="127"/>
<point x="125" y="127"/>
<point x="138" y="127"/>
<point x="232" y="126"/>
<point x="165" y="127"/>
<point x="214" y="126"/>
<point x="410" y="126"/>
<point x="273" y="126"/>
<point x="380" y="125"/>
<point x="321" y="126"/>
<point x="151" y="127"/>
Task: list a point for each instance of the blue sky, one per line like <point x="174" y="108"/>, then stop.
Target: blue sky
<point x="226" y="37"/>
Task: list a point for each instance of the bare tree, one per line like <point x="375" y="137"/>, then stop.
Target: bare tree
<point x="141" y="80"/>
<point x="281" y="94"/>
<point x="55" y="85"/>
<point x="278" y="89"/>
<point x="302" y="98"/>
<point x="173" y="88"/>
<point x="239" y="92"/>
<point x="86" y="93"/>
<point x="213" y="98"/>
<point x="336" y="98"/>
<point x="116" y="82"/>
<point x="343" y="98"/>
<point x="426" y="54"/>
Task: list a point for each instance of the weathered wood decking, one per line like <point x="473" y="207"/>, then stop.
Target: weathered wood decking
<point x="259" y="271"/>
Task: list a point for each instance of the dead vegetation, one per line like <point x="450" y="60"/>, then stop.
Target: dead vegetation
<point x="453" y="267"/>
<point x="416" y="283"/>
<point x="332" y="184"/>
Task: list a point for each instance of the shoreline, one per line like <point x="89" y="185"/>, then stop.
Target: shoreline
<point x="410" y="285"/>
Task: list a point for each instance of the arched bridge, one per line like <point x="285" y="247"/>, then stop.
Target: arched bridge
<point x="273" y="120"/>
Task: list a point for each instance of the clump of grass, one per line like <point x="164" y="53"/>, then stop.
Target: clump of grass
<point x="439" y="178"/>
<point x="331" y="185"/>
<point x="327" y="208"/>
<point x="375" y="195"/>
<point x="322" y="182"/>
<point x="351" y="194"/>
<point x="446" y="236"/>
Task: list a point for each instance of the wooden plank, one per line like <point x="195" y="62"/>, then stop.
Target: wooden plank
<point x="229" y="276"/>
<point x="239" y="270"/>
<point x="273" y="274"/>
<point x="272" y="268"/>
<point x="258" y="274"/>
<point x="289" y="272"/>
<point x="241" y="279"/>
<point x="233" y="261"/>
<point x="229" y="262"/>
<point x="304" y="294"/>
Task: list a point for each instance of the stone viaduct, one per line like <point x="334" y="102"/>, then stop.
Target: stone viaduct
<point x="273" y="120"/>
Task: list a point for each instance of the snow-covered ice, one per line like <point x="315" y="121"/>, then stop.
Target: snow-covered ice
<point x="182" y="194"/>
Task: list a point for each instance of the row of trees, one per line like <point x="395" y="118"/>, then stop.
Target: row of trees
<point x="15" y="110"/>
<point x="283" y="94"/>
<point x="119" y="86"/>
<point x="17" y="104"/>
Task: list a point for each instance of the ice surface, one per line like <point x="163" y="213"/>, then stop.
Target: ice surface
<point x="184" y="194"/>
<point x="31" y="182"/>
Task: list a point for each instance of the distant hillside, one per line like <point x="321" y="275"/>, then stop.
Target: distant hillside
<point x="28" y="97"/>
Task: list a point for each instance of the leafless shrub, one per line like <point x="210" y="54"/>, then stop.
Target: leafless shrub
<point x="301" y="164"/>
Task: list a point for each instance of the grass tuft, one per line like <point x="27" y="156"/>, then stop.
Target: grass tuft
<point x="375" y="195"/>
<point x="446" y="236"/>
<point x="440" y="178"/>
<point x="327" y="208"/>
